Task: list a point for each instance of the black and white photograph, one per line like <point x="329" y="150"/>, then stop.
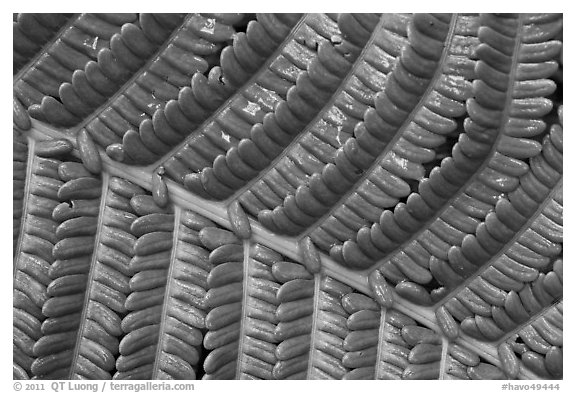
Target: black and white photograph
<point x="287" y="196"/>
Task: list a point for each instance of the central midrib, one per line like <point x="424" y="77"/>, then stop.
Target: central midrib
<point x="246" y="264"/>
<point x="315" y="317"/>
<point x="166" y="299"/>
<point x="381" y="342"/>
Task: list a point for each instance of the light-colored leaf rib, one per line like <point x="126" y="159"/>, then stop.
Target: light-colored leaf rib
<point x="166" y="298"/>
<point x="381" y="344"/>
<point x="245" y="304"/>
<point x="315" y="317"/>
<point x="444" y="359"/>
<point x="29" y="174"/>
